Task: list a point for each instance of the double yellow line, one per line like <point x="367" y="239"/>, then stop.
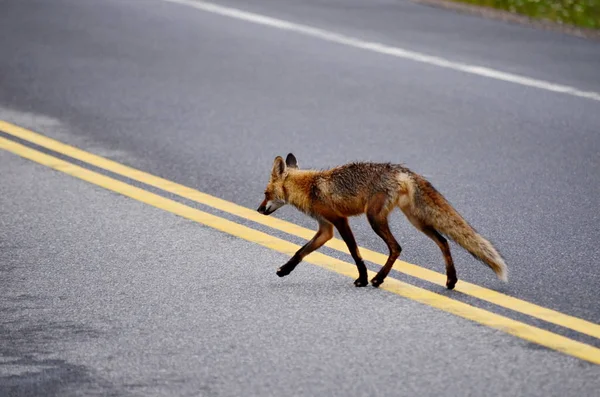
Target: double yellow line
<point x="513" y="327"/>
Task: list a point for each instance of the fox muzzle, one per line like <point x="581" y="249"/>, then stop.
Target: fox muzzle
<point x="269" y="207"/>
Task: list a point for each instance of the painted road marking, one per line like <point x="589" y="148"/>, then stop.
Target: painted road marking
<point x="485" y="294"/>
<point x="384" y="49"/>
<point x="505" y="324"/>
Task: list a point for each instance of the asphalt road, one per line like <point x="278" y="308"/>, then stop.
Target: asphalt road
<point x="100" y="294"/>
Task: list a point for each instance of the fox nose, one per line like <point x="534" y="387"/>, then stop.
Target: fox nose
<point x="262" y="209"/>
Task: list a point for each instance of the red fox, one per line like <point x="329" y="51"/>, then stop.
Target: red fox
<point x="331" y="196"/>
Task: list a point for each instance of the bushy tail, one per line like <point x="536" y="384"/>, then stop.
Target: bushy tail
<point x="436" y="211"/>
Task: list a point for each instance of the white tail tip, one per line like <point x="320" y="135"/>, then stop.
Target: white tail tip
<point x="503" y="273"/>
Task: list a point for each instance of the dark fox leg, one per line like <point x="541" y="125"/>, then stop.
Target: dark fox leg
<point x="324" y="234"/>
<point x="344" y="228"/>
<point x="377" y="216"/>
<point x="441" y="242"/>
<point x="445" y="247"/>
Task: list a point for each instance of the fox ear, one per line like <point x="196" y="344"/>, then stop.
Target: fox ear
<point x="291" y="161"/>
<point x="278" y="167"/>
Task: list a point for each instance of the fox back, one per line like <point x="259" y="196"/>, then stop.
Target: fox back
<point x="349" y="188"/>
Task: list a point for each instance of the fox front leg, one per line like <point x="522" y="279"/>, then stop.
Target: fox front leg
<point x="292" y="263"/>
<point x="344" y="228"/>
<point x="324" y="234"/>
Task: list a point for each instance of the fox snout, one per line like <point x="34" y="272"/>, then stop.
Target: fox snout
<point x="268" y="207"/>
<point x="262" y="209"/>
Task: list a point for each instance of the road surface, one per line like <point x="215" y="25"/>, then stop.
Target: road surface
<point x="109" y="290"/>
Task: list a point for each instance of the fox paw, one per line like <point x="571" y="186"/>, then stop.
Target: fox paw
<point x="361" y="282"/>
<point x="451" y="282"/>
<point x="376" y="281"/>
<point x="283" y="271"/>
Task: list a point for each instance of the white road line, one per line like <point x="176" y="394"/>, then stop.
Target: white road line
<point x="384" y="49"/>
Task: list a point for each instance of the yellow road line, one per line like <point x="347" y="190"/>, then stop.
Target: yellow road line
<point x="485" y="294"/>
<point x="513" y="327"/>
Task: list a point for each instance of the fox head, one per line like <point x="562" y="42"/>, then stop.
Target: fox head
<point x="275" y="196"/>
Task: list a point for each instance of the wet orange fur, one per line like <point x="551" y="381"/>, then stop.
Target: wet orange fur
<point x="375" y="189"/>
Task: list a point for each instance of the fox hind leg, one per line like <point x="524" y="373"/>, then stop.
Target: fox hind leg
<point x="377" y="214"/>
<point x="445" y="247"/>
<point x="441" y="242"/>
